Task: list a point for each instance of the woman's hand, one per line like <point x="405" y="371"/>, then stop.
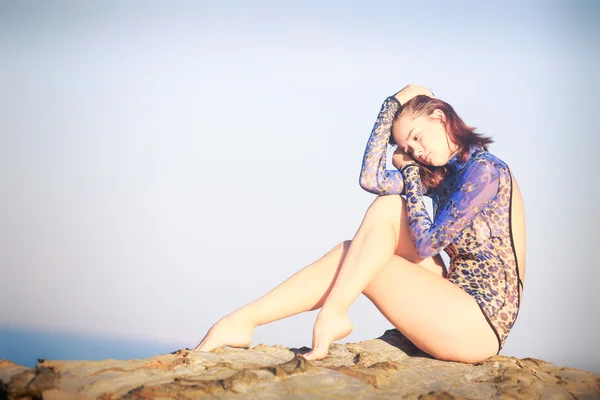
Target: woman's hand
<point x="410" y="91"/>
<point x="400" y="159"/>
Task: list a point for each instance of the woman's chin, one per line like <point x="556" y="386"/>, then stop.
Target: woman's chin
<point x="430" y="161"/>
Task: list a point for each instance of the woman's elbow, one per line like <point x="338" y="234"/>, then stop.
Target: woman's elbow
<point x="369" y="186"/>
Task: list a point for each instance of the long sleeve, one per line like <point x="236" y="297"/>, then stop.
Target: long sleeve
<point x="476" y="187"/>
<point x="374" y="177"/>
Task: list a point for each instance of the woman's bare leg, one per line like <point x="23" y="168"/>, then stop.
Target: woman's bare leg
<point x="307" y="289"/>
<point x="372" y="249"/>
<point x="435" y="314"/>
<point x="304" y="291"/>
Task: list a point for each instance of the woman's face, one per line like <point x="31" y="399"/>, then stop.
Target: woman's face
<point x="424" y="138"/>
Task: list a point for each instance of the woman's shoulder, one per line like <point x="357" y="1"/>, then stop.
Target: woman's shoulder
<point x="489" y="159"/>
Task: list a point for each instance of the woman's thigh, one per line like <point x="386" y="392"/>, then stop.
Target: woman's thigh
<point x="435" y="314"/>
<point x="392" y="209"/>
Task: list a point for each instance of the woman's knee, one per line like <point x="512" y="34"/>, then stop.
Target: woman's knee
<point x="387" y="207"/>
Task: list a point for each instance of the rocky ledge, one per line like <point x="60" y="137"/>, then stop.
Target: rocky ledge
<point x="383" y="368"/>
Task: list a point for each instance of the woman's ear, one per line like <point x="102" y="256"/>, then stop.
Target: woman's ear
<point x="439" y="115"/>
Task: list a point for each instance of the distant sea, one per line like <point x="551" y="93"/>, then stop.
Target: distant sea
<point x="24" y="347"/>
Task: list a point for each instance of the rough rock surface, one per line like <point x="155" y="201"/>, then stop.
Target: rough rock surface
<point x="383" y="368"/>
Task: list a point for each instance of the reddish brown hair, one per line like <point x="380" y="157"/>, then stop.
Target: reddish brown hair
<point x="458" y="132"/>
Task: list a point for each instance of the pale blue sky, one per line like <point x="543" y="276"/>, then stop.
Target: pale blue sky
<point x="163" y="165"/>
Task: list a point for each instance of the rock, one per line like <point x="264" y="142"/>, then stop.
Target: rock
<point x="383" y="368"/>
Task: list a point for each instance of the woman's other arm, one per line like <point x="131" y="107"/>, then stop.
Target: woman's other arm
<point x="476" y="188"/>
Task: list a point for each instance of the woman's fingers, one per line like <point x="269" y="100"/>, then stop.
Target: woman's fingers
<point x="410" y="91"/>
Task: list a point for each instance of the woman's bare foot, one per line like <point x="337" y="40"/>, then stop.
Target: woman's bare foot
<point x="329" y="327"/>
<point x="231" y="330"/>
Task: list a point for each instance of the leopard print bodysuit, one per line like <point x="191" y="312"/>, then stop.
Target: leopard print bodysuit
<point x="472" y="220"/>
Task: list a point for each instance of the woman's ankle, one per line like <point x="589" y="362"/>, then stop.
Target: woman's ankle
<point x="244" y="317"/>
<point x="333" y="308"/>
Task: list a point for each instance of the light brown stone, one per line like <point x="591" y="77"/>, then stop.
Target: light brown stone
<point x="383" y="368"/>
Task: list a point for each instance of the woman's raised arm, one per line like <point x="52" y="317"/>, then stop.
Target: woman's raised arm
<point x="374" y="177"/>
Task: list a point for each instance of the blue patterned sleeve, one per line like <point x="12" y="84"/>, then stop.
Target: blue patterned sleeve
<point x="477" y="186"/>
<point x="374" y="177"/>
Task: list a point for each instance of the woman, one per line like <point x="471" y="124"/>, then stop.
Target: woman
<point x="463" y="314"/>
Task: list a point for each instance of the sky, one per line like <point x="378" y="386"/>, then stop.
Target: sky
<point x="163" y="164"/>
